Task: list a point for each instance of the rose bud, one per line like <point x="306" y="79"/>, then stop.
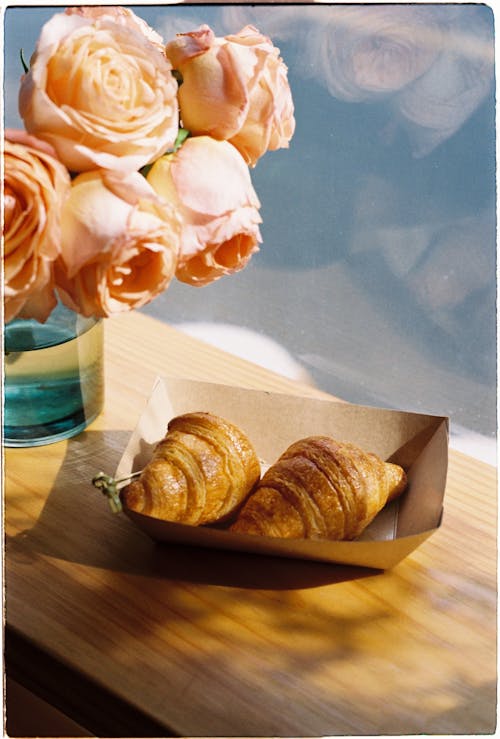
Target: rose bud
<point x="234" y="88"/>
<point x="119" y="244"/>
<point x="209" y="184"/>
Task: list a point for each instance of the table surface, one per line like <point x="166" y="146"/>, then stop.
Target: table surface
<point x="133" y="638"/>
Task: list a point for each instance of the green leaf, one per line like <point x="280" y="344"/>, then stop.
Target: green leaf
<point x="25" y="66"/>
<point x="182" y="135"/>
<point x="145" y="170"/>
<point x="178" y="76"/>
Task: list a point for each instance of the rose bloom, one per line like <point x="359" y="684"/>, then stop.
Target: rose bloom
<point x="365" y="53"/>
<point x="439" y="102"/>
<point x="119" y="244"/>
<point x="234" y="88"/>
<point x="100" y="93"/>
<point x="118" y="14"/>
<point x="209" y="183"/>
<point x="35" y="186"/>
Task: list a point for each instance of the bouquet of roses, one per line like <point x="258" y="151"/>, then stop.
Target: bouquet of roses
<point x="134" y="167"/>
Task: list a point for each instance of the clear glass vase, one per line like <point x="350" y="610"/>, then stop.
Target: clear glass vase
<point x="53" y="377"/>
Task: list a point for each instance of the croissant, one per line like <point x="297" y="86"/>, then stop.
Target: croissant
<point x="200" y="472"/>
<point x="320" y="488"/>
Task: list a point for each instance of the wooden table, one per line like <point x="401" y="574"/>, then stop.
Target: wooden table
<point x="130" y="638"/>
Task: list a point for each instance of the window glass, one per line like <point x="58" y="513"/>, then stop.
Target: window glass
<point x="377" y="271"/>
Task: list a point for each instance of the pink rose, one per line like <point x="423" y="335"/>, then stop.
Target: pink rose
<point x="119" y="244"/>
<point x="234" y="88"/>
<point x="118" y="14"/>
<point x="35" y="186"/>
<point x="100" y="93"/>
<point x="209" y="184"/>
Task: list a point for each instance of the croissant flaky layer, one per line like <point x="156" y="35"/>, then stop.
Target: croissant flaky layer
<point x="199" y="473"/>
<point x="320" y="488"/>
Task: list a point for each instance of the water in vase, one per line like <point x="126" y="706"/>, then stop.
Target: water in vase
<point x="53" y="382"/>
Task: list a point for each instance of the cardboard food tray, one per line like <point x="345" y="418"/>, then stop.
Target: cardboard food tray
<point x="272" y="421"/>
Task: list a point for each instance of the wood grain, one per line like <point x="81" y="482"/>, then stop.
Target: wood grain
<point x="209" y="643"/>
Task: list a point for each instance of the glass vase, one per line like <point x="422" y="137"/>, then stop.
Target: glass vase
<point x="53" y="377"/>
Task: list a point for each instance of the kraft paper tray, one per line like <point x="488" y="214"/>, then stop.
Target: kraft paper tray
<point x="272" y="421"/>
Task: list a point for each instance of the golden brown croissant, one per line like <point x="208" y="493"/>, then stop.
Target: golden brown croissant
<point x="320" y="488"/>
<point x="200" y="472"/>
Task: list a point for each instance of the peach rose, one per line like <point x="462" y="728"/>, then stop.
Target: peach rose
<point x="100" y="93"/>
<point x="35" y="186"/>
<point x="118" y="14"/>
<point x="119" y="244"/>
<point x="234" y="88"/>
<point x="209" y="183"/>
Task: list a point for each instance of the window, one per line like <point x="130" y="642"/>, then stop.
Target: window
<point x="377" y="271"/>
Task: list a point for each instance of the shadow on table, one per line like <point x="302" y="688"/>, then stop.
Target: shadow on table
<point x="138" y="578"/>
<point x="479" y="706"/>
<point x="77" y="525"/>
